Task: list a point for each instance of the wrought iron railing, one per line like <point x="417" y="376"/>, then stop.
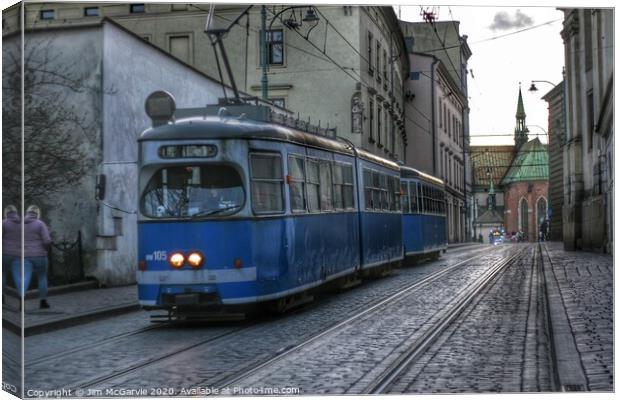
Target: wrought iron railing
<point x="65" y="262"/>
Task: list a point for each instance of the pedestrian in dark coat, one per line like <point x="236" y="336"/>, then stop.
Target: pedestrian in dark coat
<point x="543" y="231"/>
<point x="37" y="242"/>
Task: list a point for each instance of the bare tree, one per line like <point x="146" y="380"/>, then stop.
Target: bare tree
<point x="54" y="130"/>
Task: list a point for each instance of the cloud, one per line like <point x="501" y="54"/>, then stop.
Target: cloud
<point x="503" y="21"/>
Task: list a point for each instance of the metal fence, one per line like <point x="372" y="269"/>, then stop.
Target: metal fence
<point x="65" y="262"/>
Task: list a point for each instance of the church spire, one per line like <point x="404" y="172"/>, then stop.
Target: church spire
<point x="491" y="197"/>
<point x="520" y="129"/>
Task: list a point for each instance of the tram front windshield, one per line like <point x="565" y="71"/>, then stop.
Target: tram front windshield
<point x="193" y="191"/>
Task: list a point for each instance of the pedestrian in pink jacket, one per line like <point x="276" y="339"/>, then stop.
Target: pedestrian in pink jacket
<point x="37" y="242"/>
<point x="11" y="242"/>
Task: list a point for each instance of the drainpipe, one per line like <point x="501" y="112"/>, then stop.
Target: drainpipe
<point x="263" y="52"/>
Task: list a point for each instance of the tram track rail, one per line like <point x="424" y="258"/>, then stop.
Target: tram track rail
<point x="568" y="371"/>
<point x="383" y="381"/>
<point x="90" y="346"/>
<point x="103" y="378"/>
<point x="91" y="382"/>
<point x="233" y="378"/>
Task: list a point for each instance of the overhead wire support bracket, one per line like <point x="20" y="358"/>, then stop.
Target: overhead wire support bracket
<point x="216" y="36"/>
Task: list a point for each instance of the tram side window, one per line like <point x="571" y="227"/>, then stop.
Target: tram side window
<point x="338" y="185"/>
<point x="376" y="190"/>
<point x="312" y="184"/>
<point x="391" y="193"/>
<point x="404" y="189"/>
<point x="267" y="182"/>
<point x="396" y="191"/>
<point x="413" y="197"/>
<point x="384" y="192"/>
<point x="427" y="199"/>
<point x="326" y="185"/>
<point x="424" y="199"/>
<point x="368" y="192"/>
<point x="347" y="186"/>
<point x="296" y="171"/>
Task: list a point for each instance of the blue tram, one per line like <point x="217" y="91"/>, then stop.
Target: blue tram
<point x="424" y="214"/>
<point x="237" y="210"/>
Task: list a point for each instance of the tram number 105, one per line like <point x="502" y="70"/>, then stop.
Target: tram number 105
<point x="158" y="255"/>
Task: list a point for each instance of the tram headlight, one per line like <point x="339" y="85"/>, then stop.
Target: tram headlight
<point x="176" y="260"/>
<point x="195" y="260"/>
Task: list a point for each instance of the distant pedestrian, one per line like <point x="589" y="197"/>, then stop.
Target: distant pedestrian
<point x="37" y="242"/>
<point x="11" y="242"/>
<point x="542" y="233"/>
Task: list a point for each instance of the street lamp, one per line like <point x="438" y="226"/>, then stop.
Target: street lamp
<point x="541" y="128"/>
<point x="533" y="87"/>
<point x="311" y="18"/>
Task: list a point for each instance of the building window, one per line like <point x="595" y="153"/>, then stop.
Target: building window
<point x="379" y="127"/>
<point x="587" y="24"/>
<point x="385" y="66"/>
<point x="275" y="47"/>
<point x="541" y="210"/>
<point x="267" y="182"/>
<point x="445" y="118"/>
<point x="91" y="11"/>
<point x="387" y="130"/>
<point x="369" y="54"/>
<point x="523" y="217"/>
<point x="590" y="119"/>
<point x="180" y="47"/>
<point x="136" y="8"/>
<point x="440" y="114"/>
<point x="371" y="120"/>
<point x="378" y="61"/>
<point x="48" y="14"/>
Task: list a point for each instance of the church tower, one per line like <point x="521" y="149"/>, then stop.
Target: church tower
<point x="521" y="129"/>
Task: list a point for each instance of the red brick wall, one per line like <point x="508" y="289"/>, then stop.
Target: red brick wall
<point x="512" y="196"/>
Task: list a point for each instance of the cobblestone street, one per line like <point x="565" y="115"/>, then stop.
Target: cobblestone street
<point x="498" y="341"/>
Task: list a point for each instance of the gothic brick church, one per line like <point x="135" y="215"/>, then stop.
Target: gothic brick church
<point x="511" y="184"/>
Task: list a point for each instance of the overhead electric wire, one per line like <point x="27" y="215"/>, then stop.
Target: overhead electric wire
<point x="258" y="32"/>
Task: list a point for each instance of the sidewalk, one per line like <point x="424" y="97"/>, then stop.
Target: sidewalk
<point x="580" y="292"/>
<point x="68" y="308"/>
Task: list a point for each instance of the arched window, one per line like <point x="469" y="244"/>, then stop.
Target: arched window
<point x="541" y="210"/>
<point x="523" y="220"/>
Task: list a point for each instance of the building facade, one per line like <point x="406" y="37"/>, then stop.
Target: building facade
<point x="556" y="134"/>
<point x="588" y="155"/>
<point x="338" y="66"/>
<point x="439" y="73"/>
<point x="101" y="79"/>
